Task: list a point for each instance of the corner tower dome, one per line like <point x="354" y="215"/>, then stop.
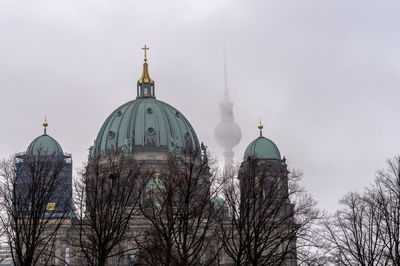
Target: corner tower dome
<point x="262" y="148"/>
<point x="145" y="124"/>
<point x="44" y="145"/>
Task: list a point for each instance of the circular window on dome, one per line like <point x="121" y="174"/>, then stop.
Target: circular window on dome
<point x="111" y="134"/>
<point x="178" y="114"/>
<point x="187" y="135"/>
<point x="149" y="110"/>
<point x="150" y="130"/>
<point x="119" y="113"/>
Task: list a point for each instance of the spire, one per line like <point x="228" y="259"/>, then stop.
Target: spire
<point x="260" y="127"/>
<point x="145" y="85"/>
<point x="45" y="124"/>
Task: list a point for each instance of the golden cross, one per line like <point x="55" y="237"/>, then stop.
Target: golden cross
<point x="145" y="54"/>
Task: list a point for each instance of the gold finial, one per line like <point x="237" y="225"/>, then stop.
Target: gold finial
<point x="260" y="127"/>
<point x="45" y="124"/>
<point x="145" y="76"/>
<point x="145" y="50"/>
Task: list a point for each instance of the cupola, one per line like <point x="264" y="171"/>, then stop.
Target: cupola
<point x="44" y="144"/>
<point x="262" y="148"/>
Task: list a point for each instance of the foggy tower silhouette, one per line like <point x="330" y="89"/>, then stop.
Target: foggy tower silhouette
<point x="227" y="133"/>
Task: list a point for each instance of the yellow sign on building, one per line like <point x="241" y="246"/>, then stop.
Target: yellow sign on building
<point x="51" y="206"/>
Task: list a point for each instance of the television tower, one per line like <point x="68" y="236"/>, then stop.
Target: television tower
<point x="227" y="133"/>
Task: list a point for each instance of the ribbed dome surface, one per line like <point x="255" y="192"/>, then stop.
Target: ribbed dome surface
<point x="262" y="148"/>
<point x="146" y="124"/>
<point x="44" y="145"/>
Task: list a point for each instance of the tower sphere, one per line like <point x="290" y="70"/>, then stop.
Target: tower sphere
<point x="227" y="134"/>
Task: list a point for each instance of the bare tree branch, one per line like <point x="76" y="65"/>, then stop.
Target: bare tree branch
<point x="36" y="201"/>
<point x="178" y="205"/>
<point x="269" y="213"/>
<point x="106" y="197"/>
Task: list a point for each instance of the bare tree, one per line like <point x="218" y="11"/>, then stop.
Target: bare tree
<point x="354" y="233"/>
<point x="35" y="201"/>
<point x="181" y="209"/>
<point x="269" y="211"/>
<point x="312" y="249"/>
<point x="107" y="193"/>
<point x="386" y="197"/>
<point x="366" y="231"/>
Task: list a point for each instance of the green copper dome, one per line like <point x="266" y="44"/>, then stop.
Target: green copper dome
<point x="262" y="148"/>
<point x="219" y="202"/>
<point x="220" y="206"/>
<point x="44" y="145"/>
<point x="146" y="124"/>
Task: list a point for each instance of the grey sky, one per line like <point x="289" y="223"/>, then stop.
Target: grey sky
<point x="322" y="76"/>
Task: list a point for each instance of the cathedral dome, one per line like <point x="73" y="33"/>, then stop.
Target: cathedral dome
<point x="262" y="148"/>
<point x="146" y="124"/>
<point x="44" y="145"/>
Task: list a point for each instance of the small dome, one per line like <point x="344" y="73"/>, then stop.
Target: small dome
<point x="44" y="145"/>
<point x="262" y="148"/>
<point x="219" y="202"/>
<point x="146" y="124"/>
<point x="220" y="206"/>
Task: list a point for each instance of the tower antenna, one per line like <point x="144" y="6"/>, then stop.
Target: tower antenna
<point x="226" y="89"/>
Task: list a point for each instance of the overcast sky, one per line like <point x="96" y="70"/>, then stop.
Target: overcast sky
<point x="322" y="75"/>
